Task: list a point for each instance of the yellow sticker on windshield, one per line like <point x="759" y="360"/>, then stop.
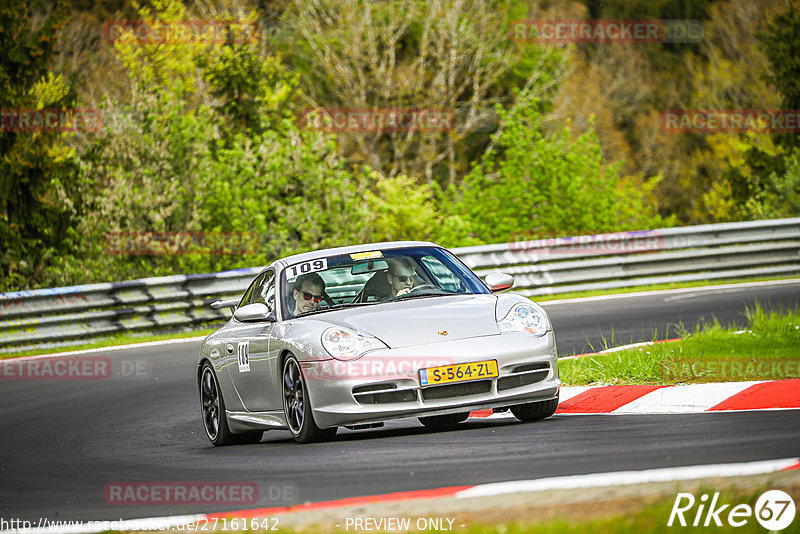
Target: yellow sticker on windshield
<point x="367" y="255"/>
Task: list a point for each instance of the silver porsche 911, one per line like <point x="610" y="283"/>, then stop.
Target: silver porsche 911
<point x="356" y="336"/>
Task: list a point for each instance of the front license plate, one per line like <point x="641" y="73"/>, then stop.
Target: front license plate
<point x="460" y="372"/>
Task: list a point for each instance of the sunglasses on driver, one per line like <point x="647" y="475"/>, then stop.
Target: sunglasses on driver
<point x="309" y="296"/>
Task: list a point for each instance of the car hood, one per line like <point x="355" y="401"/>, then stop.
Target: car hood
<point x="422" y="320"/>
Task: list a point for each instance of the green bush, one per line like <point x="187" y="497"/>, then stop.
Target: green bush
<point x="192" y="153"/>
<point x="38" y="194"/>
<point x="535" y="185"/>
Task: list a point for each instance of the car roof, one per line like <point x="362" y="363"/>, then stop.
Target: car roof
<point x="306" y="256"/>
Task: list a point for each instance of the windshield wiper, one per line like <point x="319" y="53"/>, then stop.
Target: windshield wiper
<point x="421" y="295"/>
<point x="338" y="307"/>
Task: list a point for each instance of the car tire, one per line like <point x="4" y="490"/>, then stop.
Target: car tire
<point x="212" y="409"/>
<point x="444" y="421"/>
<point x="535" y="411"/>
<point x="297" y="406"/>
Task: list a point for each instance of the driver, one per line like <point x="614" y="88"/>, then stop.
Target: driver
<point x="401" y="275"/>
<point x="308" y="292"/>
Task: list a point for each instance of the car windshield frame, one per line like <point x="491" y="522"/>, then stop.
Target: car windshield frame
<point x="428" y="262"/>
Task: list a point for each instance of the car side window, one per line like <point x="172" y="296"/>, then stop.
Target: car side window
<point x="267" y="293"/>
<point x="247" y="294"/>
<point x="255" y="293"/>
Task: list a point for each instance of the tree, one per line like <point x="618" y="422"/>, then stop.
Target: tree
<point x="450" y="56"/>
<point x="202" y="147"/>
<point x="780" y="40"/>
<point x="782" y="195"/>
<point x="402" y="209"/>
<point x="534" y="185"/>
<point x="37" y="186"/>
<point x="715" y="177"/>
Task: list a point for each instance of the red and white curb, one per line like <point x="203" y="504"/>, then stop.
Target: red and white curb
<point x="681" y="399"/>
<point x="624" y="478"/>
<point x="594" y="480"/>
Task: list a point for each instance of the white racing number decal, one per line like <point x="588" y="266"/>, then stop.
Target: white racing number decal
<point x="243" y="352"/>
<point x="308" y="267"/>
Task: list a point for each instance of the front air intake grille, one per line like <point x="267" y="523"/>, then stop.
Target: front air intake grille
<point x="529" y="373"/>
<point x="457" y="390"/>
<point x="388" y="397"/>
<point x="517" y="381"/>
<point x="531" y="367"/>
<point x="373" y="387"/>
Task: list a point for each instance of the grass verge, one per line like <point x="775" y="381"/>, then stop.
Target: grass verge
<point x="655" y="287"/>
<point x="651" y="518"/>
<point x="768" y="349"/>
<point x="117" y="339"/>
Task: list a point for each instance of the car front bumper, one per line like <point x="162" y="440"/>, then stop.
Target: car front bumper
<point x="384" y="384"/>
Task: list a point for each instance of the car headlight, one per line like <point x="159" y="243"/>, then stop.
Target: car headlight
<point x="524" y="318"/>
<point x="346" y="344"/>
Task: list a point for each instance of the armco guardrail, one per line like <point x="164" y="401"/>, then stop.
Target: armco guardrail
<point x="60" y="316"/>
<point x="49" y="317"/>
<point x="625" y="259"/>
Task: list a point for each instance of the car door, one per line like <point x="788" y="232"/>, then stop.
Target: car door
<point x="251" y="365"/>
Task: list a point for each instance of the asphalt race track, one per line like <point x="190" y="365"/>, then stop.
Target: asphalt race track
<point x="583" y="326"/>
<point x="63" y="442"/>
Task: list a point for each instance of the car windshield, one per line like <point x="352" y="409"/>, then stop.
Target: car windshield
<point x="373" y="277"/>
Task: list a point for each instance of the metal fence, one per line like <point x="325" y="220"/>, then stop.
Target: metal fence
<point x="626" y="259"/>
<point x="67" y="315"/>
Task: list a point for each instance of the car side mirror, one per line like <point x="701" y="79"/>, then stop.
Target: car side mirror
<point x="499" y="282"/>
<point x="229" y="303"/>
<point x="254" y="312"/>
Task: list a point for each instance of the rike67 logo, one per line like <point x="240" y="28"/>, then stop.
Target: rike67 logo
<point x="774" y="510"/>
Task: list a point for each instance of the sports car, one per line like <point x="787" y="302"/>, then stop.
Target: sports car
<point x="357" y="336"/>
